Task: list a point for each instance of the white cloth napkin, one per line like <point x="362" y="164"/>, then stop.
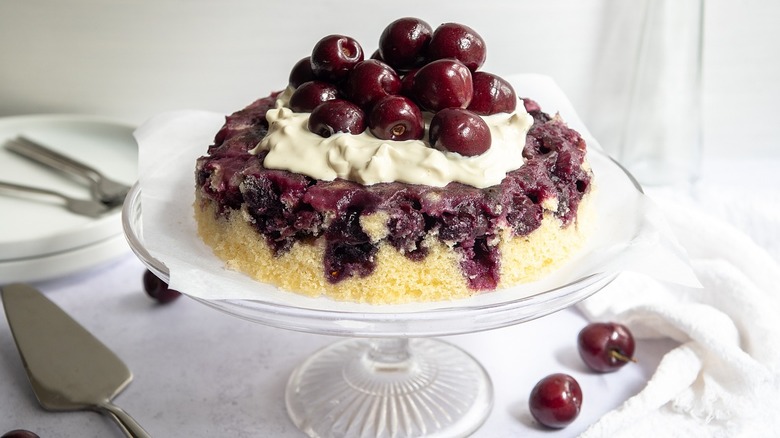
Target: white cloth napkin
<point x="724" y="377"/>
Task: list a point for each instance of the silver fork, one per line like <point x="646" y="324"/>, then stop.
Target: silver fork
<point x="103" y="189"/>
<point x="84" y="207"/>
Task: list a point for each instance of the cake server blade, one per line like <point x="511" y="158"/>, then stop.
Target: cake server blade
<point x="68" y="367"/>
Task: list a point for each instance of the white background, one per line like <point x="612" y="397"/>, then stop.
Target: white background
<point x="132" y="59"/>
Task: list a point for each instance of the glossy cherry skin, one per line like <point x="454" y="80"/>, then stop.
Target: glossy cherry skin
<point x="459" y="130"/>
<point x="445" y="83"/>
<point x="556" y="400"/>
<point x="337" y="116"/>
<point x="404" y="43"/>
<point x="158" y="289"/>
<point x="606" y="346"/>
<point x="492" y="94"/>
<point x="453" y="40"/>
<point x="20" y="433"/>
<point x="334" y="56"/>
<point x="407" y="83"/>
<point x="311" y="94"/>
<point x="370" y="81"/>
<point x="301" y="72"/>
<point x="396" y="118"/>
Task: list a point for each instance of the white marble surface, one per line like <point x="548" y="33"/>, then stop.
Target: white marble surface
<point x="200" y="372"/>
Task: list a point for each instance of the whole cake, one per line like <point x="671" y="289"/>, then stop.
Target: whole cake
<point x="409" y="176"/>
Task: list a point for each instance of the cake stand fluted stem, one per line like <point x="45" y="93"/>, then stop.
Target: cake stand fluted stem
<point x="393" y="387"/>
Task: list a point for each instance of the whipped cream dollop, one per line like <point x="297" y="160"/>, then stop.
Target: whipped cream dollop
<point x="368" y="160"/>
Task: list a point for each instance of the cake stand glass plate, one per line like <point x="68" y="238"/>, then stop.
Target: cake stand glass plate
<point x="390" y="379"/>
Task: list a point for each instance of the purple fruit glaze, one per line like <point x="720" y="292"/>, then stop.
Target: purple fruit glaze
<point x="286" y="207"/>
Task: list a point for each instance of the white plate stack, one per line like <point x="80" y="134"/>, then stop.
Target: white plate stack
<point x="39" y="238"/>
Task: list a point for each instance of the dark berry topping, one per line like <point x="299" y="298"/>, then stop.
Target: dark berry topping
<point x="453" y="40"/>
<point x="312" y="94"/>
<point x="334" y="56"/>
<point x="158" y="289"/>
<point x="370" y="81"/>
<point x="459" y="130"/>
<point x="337" y="116"/>
<point x="301" y="72"/>
<point x="492" y="95"/>
<point x="445" y="83"/>
<point x="556" y="400"/>
<point x="396" y="118"/>
<point x="404" y="42"/>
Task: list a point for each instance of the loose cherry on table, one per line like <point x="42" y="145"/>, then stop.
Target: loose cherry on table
<point x="606" y="346"/>
<point x="158" y="289"/>
<point x="20" y="433"/>
<point x="556" y="400"/>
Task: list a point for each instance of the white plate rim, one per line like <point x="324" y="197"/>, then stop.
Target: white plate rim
<point x="77" y="232"/>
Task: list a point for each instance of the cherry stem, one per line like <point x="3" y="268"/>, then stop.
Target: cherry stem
<point x="621" y="357"/>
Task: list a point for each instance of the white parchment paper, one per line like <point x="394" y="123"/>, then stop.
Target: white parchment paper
<point x="631" y="233"/>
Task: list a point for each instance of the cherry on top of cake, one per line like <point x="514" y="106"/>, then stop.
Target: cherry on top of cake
<point x="416" y="73"/>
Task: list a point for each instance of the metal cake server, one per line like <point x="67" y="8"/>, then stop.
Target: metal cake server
<point x="103" y="189"/>
<point x="69" y="368"/>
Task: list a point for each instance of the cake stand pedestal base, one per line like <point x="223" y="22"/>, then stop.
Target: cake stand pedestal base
<point x="395" y="387"/>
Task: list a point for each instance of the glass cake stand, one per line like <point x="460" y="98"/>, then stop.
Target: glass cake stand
<point x="391" y="378"/>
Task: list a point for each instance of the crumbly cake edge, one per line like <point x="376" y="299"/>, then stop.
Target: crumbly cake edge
<point x="396" y="279"/>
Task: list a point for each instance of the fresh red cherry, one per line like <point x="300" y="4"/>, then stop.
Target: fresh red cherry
<point x="453" y="40"/>
<point x="404" y="42"/>
<point x="334" y="56"/>
<point x="337" y="116"/>
<point x="441" y="84"/>
<point x="301" y="72"/>
<point x="407" y="83"/>
<point x="370" y="81"/>
<point x="606" y="346"/>
<point x="20" y="433"/>
<point x="492" y="94"/>
<point x="396" y="118"/>
<point x="311" y="94"/>
<point x="556" y="400"/>
<point x="459" y="130"/>
<point x="158" y="289"/>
